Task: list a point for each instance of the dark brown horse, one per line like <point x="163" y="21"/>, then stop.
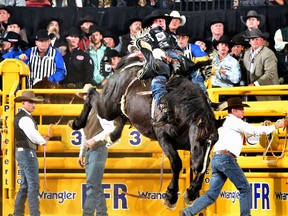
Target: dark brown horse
<point x="194" y="129"/>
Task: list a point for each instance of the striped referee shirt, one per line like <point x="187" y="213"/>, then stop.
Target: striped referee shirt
<point x="51" y="65"/>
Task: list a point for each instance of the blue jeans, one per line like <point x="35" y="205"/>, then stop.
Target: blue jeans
<point x="197" y="78"/>
<point x="94" y="166"/>
<point x="29" y="171"/>
<point x="223" y="167"/>
<point x="158" y="88"/>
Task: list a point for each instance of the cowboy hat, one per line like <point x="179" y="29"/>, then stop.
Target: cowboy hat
<point x="235" y="102"/>
<point x="255" y="33"/>
<point x="42" y="35"/>
<point x="72" y="31"/>
<point x="111" y="53"/>
<point x="13" y="37"/>
<point x="222" y="39"/>
<point x="87" y="18"/>
<point x="253" y="13"/>
<point x="28" y="96"/>
<point x="182" y="31"/>
<point x="84" y="90"/>
<point x="176" y="15"/>
<point x="157" y="14"/>
<point x="111" y="35"/>
<point x="94" y="28"/>
<point x="12" y="21"/>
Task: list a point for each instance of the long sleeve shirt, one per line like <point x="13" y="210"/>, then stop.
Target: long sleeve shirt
<point x="108" y="127"/>
<point x="232" y="132"/>
<point x="51" y="65"/>
<point x="28" y="126"/>
<point x="232" y="75"/>
<point x="97" y="56"/>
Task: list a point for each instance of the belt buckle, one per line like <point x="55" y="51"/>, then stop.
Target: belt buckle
<point x="20" y="149"/>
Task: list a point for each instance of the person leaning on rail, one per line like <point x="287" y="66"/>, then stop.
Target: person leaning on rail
<point x="94" y="150"/>
<point x="27" y="140"/>
<point x="224" y="161"/>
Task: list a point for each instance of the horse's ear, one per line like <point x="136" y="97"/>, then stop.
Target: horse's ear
<point x="219" y="122"/>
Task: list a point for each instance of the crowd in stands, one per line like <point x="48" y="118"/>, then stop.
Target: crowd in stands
<point x="89" y="53"/>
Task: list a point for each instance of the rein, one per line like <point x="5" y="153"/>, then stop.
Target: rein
<point x="45" y="148"/>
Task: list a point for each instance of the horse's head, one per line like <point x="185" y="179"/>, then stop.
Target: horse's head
<point x="202" y="146"/>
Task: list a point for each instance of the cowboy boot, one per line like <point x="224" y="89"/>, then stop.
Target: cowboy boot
<point x="167" y="115"/>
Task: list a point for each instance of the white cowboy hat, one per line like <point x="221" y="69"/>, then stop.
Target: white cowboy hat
<point x="84" y="90"/>
<point x="176" y="15"/>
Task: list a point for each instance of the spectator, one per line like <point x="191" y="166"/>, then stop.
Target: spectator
<point x="111" y="40"/>
<point x="27" y="140"/>
<point x="248" y="3"/>
<point x="97" y="51"/>
<point x="201" y="42"/>
<point x="79" y="65"/>
<point x="237" y="51"/>
<point x="43" y="61"/>
<point x="252" y="20"/>
<point x="5" y="13"/>
<point x="260" y="63"/>
<point x="38" y="3"/>
<point x="177" y="21"/>
<point x="16" y="26"/>
<point x="14" y="45"/>
<point x="195" y="54"/>
<point x="227" y="68"/>
<point x="84" y="25"/>
<point x="104" y="3"/>
<point x="114" y="57"/>
<point x="281" y="47"/>
<point x="217" y="30"/>
<point x="17" y="3"/>
<point x="68" y="3"/>
<point x="134" y="25"/>
<point x="93" y="149"/>
<point x="224" y="161"/>
<point x="53" y="27"/>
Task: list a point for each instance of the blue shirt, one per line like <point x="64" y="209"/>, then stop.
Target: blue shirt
<point x="232" y="75"/>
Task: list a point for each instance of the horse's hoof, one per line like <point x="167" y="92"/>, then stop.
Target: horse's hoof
<point x="186" y="199"/>
<point x="169" y="205"/>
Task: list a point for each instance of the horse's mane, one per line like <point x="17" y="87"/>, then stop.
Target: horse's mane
<point x="192" y="104"/>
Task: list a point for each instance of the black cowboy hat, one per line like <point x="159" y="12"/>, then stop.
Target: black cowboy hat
<point x="157" y="14"/>
<point x="223" y="39"/>
<point x="239" y="40"/>
<point x="253" y="13"/>
<point x="182" y="30"/>
<point x="192" y="40"/>
<point x="214" y="21"/>
<point x="87" y="18"/>
<point x="28" y="96"/>
<point x="6" y="8"/>
<point x="12" y="21"/>
<point x="15" y="38"/>
<point x="255" y="33"/>
<point x="111" y="53"/>
<point x="131" y="21"/>
<point x="72" y="31"/>
<point x="42" y="35"/>
<point x="235" y="102"/>
<point x="110" y="34"/>
<point x="94" y="28"/>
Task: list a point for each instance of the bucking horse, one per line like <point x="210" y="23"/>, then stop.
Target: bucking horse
<point x="126" y="98"/>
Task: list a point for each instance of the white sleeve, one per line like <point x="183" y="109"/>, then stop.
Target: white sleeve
<point x="108" y="127"/>
<point x="28" y="126"/>
<point x="82" y="145"/>
<point x="278" y="39"/>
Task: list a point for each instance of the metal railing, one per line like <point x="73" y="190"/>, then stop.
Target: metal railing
<point x="203" y="5"/>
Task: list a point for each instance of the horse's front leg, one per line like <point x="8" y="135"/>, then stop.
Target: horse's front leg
<point x="193" y="191"/>
<point x="116" y="134"/>
<point x="171" y="195"/>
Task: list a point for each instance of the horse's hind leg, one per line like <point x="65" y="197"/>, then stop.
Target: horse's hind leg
<point x="171" y="194"/>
